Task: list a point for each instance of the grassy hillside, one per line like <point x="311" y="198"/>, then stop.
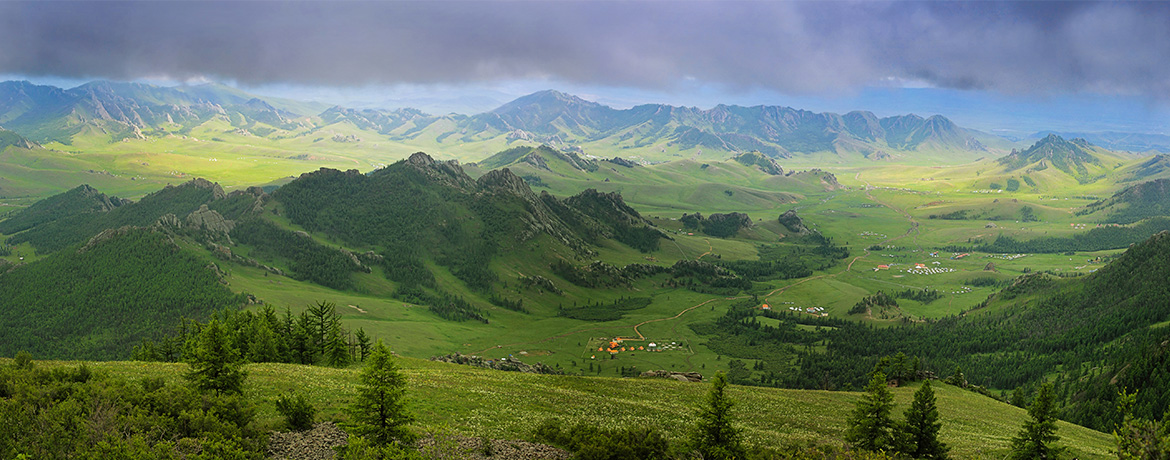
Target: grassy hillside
<point x="505" y="405"/>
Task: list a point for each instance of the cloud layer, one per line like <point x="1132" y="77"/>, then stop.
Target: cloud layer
<point x="800" y="47"/>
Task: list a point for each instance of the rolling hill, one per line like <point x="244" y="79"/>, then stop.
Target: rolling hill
<point x="751" y="182"/>
<point x="1133" y="203"/>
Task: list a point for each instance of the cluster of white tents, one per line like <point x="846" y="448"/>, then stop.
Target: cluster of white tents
<point x="924" y="270"/>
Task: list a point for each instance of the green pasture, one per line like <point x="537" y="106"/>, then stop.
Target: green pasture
<point x="507" y="405"/>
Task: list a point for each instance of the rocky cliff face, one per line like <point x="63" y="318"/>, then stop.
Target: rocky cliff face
<point x="209" y="220"/>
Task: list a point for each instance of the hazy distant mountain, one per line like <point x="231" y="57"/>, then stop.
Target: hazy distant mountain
<point x="1130" y="142"/>
<point x="554" y="117"/>
<point x="1073" y="157"/>
<point x="117" y="111"/>
<point x="125" y="110"/>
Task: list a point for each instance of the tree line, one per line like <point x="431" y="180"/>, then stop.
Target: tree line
<point x="315" y="336"/>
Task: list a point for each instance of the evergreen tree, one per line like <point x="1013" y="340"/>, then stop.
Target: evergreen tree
<point x="379" y="411"/>
<point x="921" y="428"/>
<point x="363" y="343"/>
<point x="715" y="436"/>
<point x="958" y="379"/>
<point x="1035" y="440"/>
<point x="264" y="349"/>
<point x="870" y="424"/>
<point x="336" y="347"/>
<point x="214" y="364"/>
<point x="303" y="349"/>
<point x="1138" y="438"/>
<point x="321" y="315"/>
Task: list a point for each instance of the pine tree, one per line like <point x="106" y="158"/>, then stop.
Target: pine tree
<point x="1137" y="438"/>
<point x="322" y="315"/>
<point x="363" y="343"/>
<point x="715" y="436"/>
<point x="921" y="428"/>
<point x="1035" y="440"/>
<point x="263" y="344"/>
<point x="958" y="379"/>
<point x="870" y="424"/>
<point x="214" y="364"/>
<point x="302" y="347"/>
<point x="336" y="348"/>
<point x="379" y="411"/>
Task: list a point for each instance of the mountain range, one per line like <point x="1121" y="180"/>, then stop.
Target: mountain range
<point x="116" y="111"/>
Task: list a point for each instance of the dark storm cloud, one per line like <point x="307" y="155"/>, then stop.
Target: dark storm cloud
<point x="1041" y="47"/>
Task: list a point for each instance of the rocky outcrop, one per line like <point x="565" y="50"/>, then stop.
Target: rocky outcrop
<point x="793" y="223"/>
<point x="169" y="221"/>
<point x="217" y="192"/>
<point x="762" y="162"/>
<point x="608" y="207"/>
<point x="105" y="235"/>
<point x="541" y="283"/>
<point x="538" y="219"/>
<point x="443" y="172"/>
<point x="209" y="220"/>
<point x="502" y="364"/>
<point x="680" y="376"/>
<point x="622" y="162"/>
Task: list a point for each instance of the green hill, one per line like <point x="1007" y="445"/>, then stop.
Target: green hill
<point x="55" y="223"/>
<point x="81" y="200"/>
<point x="1133" y="203"/>
<point x="11" y="139"/>
<point x="94" y="301"/>
<point x="508" y="405"/>
<point x="761" y="161"/>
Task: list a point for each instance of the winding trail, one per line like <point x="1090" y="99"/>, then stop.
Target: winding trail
<point x="710" y="249"/>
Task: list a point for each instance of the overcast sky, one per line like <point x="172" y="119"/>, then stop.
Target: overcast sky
<point x="826" y="55"/>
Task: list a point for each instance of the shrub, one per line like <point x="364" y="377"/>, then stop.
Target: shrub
<point x="23" y="360"/>
<point x="296" y="410"/>
<point x="594" y="443"/>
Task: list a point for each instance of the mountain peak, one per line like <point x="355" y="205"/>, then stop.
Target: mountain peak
<point x="547" y="99"/>
<point x="1068" y="156"/>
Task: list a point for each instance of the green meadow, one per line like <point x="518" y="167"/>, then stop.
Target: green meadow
<point x="508" y="405"/>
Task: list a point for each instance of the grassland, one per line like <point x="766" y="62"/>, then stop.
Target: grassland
<point x="883" y="207"/>
<point x="504" y="405"/>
